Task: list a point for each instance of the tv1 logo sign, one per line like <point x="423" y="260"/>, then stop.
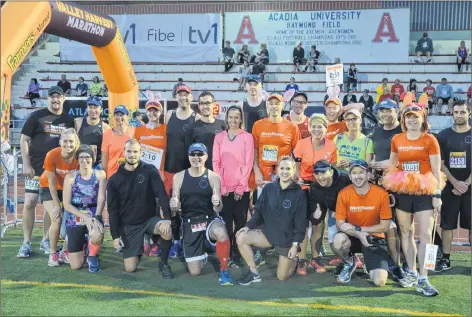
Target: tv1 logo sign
<point x="197" y="36"/>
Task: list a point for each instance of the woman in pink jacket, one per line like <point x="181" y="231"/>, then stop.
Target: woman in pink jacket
<point x="233" y="159"/>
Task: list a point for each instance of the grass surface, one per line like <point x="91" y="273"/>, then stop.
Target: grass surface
<point x="30" y="287"/>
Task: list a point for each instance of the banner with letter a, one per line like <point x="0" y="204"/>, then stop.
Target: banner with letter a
<point x="160" y="38"/>
<point x="376" y="36"/>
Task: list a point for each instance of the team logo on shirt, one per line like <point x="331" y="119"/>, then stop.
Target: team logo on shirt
<point x="411" y="148"/>
<point x="360" y="208"/>
<point x="140" y="178"/>
<point x="261" y="113"/>
<point x="54" y="130"/>
<point x="468" y="139"/>
<point x="286" y="203"/>
<point x="97" y="131"/>
<point x="185" y="127"/>
<point x="203" y="183"/>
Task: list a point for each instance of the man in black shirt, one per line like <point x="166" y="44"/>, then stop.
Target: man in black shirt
<point x="65" y="85"/>
<point x="205" y="129"/>
<point x="135" y="196"/>
<point x="367" y="100"/>
<point x="455" y="145"/>
<point x="228" y="55"/>
<point x="39" y="135"/>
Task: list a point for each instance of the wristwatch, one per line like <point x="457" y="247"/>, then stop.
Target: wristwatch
<point x="358" y="228"/>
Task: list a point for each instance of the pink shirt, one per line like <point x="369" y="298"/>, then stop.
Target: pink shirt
<point x="233" y="161"/>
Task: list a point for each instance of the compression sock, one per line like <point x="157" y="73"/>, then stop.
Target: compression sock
<point x="94" y="248"/>
<point x="222" y="250"/>
<point x="165" y="248"/>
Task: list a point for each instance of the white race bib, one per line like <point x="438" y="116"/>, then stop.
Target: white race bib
<point x="152" y="155"/>
<point x="270" y="153"/>
<point x="430" y="256"/>
<point x="411" y="166"/>
<point x="457" y="160"/>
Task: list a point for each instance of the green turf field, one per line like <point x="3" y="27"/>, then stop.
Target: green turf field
<point x="30" y="287"/>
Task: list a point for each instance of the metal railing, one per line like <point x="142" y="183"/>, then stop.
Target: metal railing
<point x="10" y="200"/>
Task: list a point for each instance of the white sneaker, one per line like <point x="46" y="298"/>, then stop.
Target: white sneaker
<point x="53" y="259"/>
<point x="63" y="257"/>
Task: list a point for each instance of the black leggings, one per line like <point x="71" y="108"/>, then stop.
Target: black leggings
<point x="462" y="62"/>
<point x="235" y="211"/>
<point x="33" y="95"/>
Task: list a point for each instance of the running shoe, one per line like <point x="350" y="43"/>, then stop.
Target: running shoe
<point x="443" y="265"/>
<point x="427" y="289"/>
<point x="154" y="250"/>
<point x="44" y="246"/>
<point x="64" y="257"/>
<point x="165" y="271"/>
<point x="53" y="259"/>
<point x="412" y="277"/>
<point x="301" y="267"/>
<point x="335" y="261"/>
<point x="175" y="250"/>
<point x="338" y="269"/>
<point x="225" y="278"/>
<point x="345" y="276"/>
<point x="93" y="264"/>
<point x="25" y="250"/>
<point x="259" y="259"/>
<point x="147" y="249"/>
<point x="323" y="251"/>
<point x="249" y="278"/>
<point x="318" y="265"/>
<point x="399" y="276"/>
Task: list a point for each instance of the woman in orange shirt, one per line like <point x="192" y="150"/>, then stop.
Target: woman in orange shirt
<point x="417" y="183"/>
<point x="307" y="152"/>
<point x="57" y="164"/>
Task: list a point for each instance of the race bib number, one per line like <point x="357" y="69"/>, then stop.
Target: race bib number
<point x="411" y="166"/>
<point x="32" y="183"/>
<point x="270" y="153"/>
<point x="152" y="155"/>
<point x="457" y="160"/>
<point x="78" y="220"/>
<point x="197" y="227"/>
<point x="430" y="256"/>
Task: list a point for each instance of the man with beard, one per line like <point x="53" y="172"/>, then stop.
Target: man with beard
<point x="299" y="103"/>
<point x="456" y="164"/>
<point x="135" y="196"/>
<point x="90" y="129"/>
<point x="254" y="107"/>
<point x="363" y="216"/>
<point x="39" y="135"/>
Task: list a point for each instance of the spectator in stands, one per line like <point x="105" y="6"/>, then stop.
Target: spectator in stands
<point x="259" y="69"/>
<point x="180" y="82"/>
<point x="445" y="96"/>
<point x="397" y="90"/>
<point x="367" y="100"/>
<point x="244" y="54"/>
<point x="383" y="89"/>
<point x="313" y="59"/>
<point x="412" y="87"/>
<point x="244" y="71"/>
<point x="430" y="91"/>
<point x="463" y="57"/>
<point x="263" y="55"/>
<point x="228" y="55"/>
<point x="96" y="87"/>
<point x="105" y="90"/>
<point x="352" y="77"/>
<point x="349" y="98"/>
<point x="298" y="55"/>
<point x="81" y="88"/>
<point x="137" y="120"/>
<point x="292" y="85"/>
<point x="65" y="85"/>
<point x="337" y="60"/>
<point x="424" y="46"/>
<point x="33" y="91"/>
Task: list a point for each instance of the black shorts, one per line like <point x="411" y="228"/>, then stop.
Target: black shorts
<point x="375" y="257"/>
<point x="195" y="231"/>
<point x="45" y="194"/>
<point x="76" y="238"/>
<point x="133" y="236"/>
<point x="454" y="206"/>
<point x="413" y="203"/>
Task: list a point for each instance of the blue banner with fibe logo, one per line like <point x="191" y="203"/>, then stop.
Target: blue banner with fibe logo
<point x="160" y="38"/>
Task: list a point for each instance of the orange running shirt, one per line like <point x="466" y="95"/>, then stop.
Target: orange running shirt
<point x="364" y="210"/>
<point x="153" y="145"/>
<point x="302" y="127"/>
<point x="335" y="128"/>
<point x="54" y="163"/>
<point x="272" y="141"/>
<point x="114" y="145"/>
<point x="414" y="155"/>
<point x="305" y="151"/>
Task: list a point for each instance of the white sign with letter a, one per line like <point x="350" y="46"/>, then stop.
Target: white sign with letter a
<point x="334" y="75"/>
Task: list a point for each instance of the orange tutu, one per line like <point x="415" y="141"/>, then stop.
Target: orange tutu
<point x="412" y="183"/>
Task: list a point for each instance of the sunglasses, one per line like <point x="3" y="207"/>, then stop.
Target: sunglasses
<point x="84" y="158"/>
<point x="412" y="108"/>
<point x="197" y="154"/>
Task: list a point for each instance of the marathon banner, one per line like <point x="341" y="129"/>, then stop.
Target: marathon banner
<point x="71" y="21"/>
<point x="374" y="36"/>
<point x="161" y="38"/>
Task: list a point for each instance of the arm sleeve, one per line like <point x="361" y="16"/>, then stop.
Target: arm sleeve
<point x="300" y="221"/>
<point x="257" y="219"/>
<point x="385" y="210"/>
<point x="113" y="210"/>
<point x="341" y="207"/>
<point x="248" y="164"/>
<point x="29" y="128"/>
<point x="159" y="191"/>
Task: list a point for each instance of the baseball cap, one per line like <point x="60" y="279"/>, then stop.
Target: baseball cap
<point x="121" y="109"/>
<point x="153" y="104"/>
<point x="198" y="147"/>
<point x="276" y="96"/>
<point x="55" y="90"/>
<point x="388" y="104"/>
<point x="366" y="91"/>
<point x="354" y="112"/>
<point x="360" y="163"/>
<point x="183" y="88"/>
<point x="337" y="101"/>
<point x="94" y="100"/>
<point x="322" y="166"/>
<point x="300" y="94"/>
<point x="255" y="78"/>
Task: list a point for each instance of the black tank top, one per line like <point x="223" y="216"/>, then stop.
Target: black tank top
<point x="176" y="155"/>
<point x="195" y="196"/>
<point x="253" y="114"/>
<point x="92" y="135"/>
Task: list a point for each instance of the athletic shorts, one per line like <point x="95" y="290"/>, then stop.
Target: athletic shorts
<point x="282" y="251"/>
<point x="195" y="231"/>
<point x="413" y="203"/>
<point x="32" y="185"/>
<point x="375" y="256"/>
<point x="45" y="194"/>
<point x="133" y="236"/>
<point x="454" y="208"/>
<point x="76" y="238"/>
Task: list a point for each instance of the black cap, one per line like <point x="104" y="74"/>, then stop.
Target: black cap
<point x="322" y="166"/>
<point x="55" y="90"/>
<point x="300" y="94"/>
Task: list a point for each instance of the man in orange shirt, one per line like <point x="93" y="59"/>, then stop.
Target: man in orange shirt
<point x="333" y="108"/>
<point x="363" y="215"/>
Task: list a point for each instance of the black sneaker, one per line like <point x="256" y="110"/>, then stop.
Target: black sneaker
<point x="399" y="276"/>
<point x="249" y="278"/>
<point x="443" y="265"/>
<point x="166" y="271"/>
<point x="339" y="268"/>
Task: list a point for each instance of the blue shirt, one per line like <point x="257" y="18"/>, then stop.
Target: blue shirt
<point x="295" y="87"/>
<point x="444" y="91"/>
<point x="135" y="123"/>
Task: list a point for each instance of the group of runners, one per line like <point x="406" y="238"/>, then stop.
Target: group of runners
<point x="185" y="186"/>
